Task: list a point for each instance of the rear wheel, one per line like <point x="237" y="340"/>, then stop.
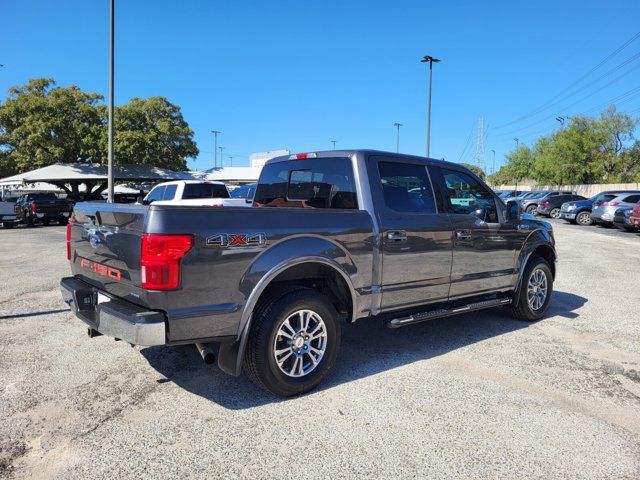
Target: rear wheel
<point x="531" y="209"/>
<point x="534" y="294"/>
<point x="584" y="218"/>
<point x="293" y="343"/>
<point x="8" y="225"/>
<point x="554" y="213"/>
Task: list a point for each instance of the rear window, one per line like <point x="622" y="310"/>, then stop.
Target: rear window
<point x="42" y="197"/>
<point x="204" y="190"/>
<point x="312" y="183"/>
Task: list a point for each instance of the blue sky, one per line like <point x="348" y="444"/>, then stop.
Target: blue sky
<point x="298" y="74"/>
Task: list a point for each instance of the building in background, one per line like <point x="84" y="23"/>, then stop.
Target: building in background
<point x="257" y="160"/>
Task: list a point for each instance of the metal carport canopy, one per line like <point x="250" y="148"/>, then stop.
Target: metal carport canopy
<point x="94" y="173"/>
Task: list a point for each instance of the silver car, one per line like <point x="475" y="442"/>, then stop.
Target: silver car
<point x="604" y="210"/>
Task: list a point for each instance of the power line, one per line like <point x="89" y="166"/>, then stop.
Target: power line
<point x="467" y="144"/>
<point x="574" y="103"/>
<point x="544" y="106"/>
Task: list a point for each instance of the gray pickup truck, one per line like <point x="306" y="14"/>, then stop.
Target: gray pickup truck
<point x="332" y="238"/>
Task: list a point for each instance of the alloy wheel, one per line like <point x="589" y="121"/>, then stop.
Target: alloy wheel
<point x="300" y="343"/>
<point x="537" y="289"/>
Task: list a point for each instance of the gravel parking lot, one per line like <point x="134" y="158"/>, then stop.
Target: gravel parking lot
<point x="473" y="396"/>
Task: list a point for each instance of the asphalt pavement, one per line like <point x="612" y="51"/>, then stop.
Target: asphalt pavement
<point x="473" y="396"/>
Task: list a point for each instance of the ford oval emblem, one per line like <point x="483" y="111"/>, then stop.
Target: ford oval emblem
<point x="94" y="240"/>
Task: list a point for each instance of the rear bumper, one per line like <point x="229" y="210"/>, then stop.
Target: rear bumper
<point x="113" y="317"/>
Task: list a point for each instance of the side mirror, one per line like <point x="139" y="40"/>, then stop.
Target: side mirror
<point x="513" y="211"/>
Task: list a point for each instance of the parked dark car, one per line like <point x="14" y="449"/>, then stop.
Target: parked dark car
<point x="43" y="208"/>
<point x="622" y="219"/>
<point x="551" y="206"/>
<point x="333" y="238"/>
<point x="580" y="211"/>
<point x="530" y="204"/>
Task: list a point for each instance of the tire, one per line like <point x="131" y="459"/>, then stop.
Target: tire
<point x="8" y="225"/>
<point x="522" y="309"/>
<point x="290" y="378"/>
<point x="554" y="213"/>
<point x="584" y="218"/>
<point x="629" y="228"/>
<point x="46" y="222"/>
<point x="63" y="221"/>
<point x="531" y="209"/>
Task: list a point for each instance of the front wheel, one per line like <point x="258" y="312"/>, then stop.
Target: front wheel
<point x="8" y="225"/>
<point x="293" y="343"/>
<point x="532" y="299"/>
<point x="554" y="213"/>
<point x="584" y="218"/>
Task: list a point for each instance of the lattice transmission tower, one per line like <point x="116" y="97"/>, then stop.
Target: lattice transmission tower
<point x="478" y="155"/>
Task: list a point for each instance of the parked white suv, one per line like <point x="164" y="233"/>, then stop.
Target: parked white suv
<point x="193" y="192"/>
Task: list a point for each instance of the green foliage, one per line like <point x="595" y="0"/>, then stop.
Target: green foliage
<point x="42" y="124"/>
<point x="475" y="169"/>
<point x="588" y="150"/>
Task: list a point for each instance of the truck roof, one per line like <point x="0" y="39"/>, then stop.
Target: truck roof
<point x="358" y="153"/>
<point x="178" y="182"/>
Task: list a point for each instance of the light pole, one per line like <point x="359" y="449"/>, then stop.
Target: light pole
<point x="517" y="140"/>
<point x="430" y="60"/>
<point x="231" y="159"/>
<point x="561" y="121"/>
<point x="110" y="107"/>
<point x="334" y="144"/>
<point x="215" y="147"/>
<point x="493" y="166"/>
<point x="397" y="125"/>
<point x="221" y="149"/>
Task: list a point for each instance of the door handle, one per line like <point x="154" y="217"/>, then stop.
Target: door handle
<point x="463" y="234"/>
<point x="397" y="236"/>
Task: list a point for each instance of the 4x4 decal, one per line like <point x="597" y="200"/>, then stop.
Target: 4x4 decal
<point x="237" y="240"/>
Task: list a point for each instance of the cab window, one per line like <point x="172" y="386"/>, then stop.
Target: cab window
<point x="467" y="196"/>
<point x="406" y="187"/>
<point x="156" y="194"/>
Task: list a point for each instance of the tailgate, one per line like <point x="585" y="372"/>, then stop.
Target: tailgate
<point x="105" y="246"/>
<point x="52" y="207"/>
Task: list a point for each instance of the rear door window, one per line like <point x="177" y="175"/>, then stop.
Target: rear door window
<point x="406" y="187"/>
<point x="307" y="183"/>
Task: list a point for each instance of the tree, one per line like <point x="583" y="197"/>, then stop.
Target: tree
<point x="152" y="131"/>
<point x="41" y="124"/>
<point x="475" y="169"/>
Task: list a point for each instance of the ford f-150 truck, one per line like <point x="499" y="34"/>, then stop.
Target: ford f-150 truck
<point x="333" y="238"/>
<point x="42" y="208"/>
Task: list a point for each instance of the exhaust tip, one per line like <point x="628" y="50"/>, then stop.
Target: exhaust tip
<point x="206" y="353"/>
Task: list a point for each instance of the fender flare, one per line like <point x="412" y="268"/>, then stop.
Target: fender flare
<point x="542" y="239"/>
<point x="230" y="355"/>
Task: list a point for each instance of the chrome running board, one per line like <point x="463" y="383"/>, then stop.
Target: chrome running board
<point x="445" y="312"/>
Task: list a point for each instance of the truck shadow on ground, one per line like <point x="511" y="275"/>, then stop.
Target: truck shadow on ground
<point x="368" y="348"/>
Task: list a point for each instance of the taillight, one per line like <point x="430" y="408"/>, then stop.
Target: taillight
<point x="545" y="203"/>
<point x="160" y="260"/>
<point x="610" y="204"/>
<point x="33" y="208"/>
<point x="69" y="226"/>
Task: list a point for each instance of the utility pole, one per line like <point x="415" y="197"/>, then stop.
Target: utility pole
<point x="110" y="107"/>
<point x="231" y="159"/>
<point x="397" y="125"/>
<point x="430" y="60"/>
<point x="221" y="149"/>
<point x="334" y="144"/>
<point x="215" y="147"/>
